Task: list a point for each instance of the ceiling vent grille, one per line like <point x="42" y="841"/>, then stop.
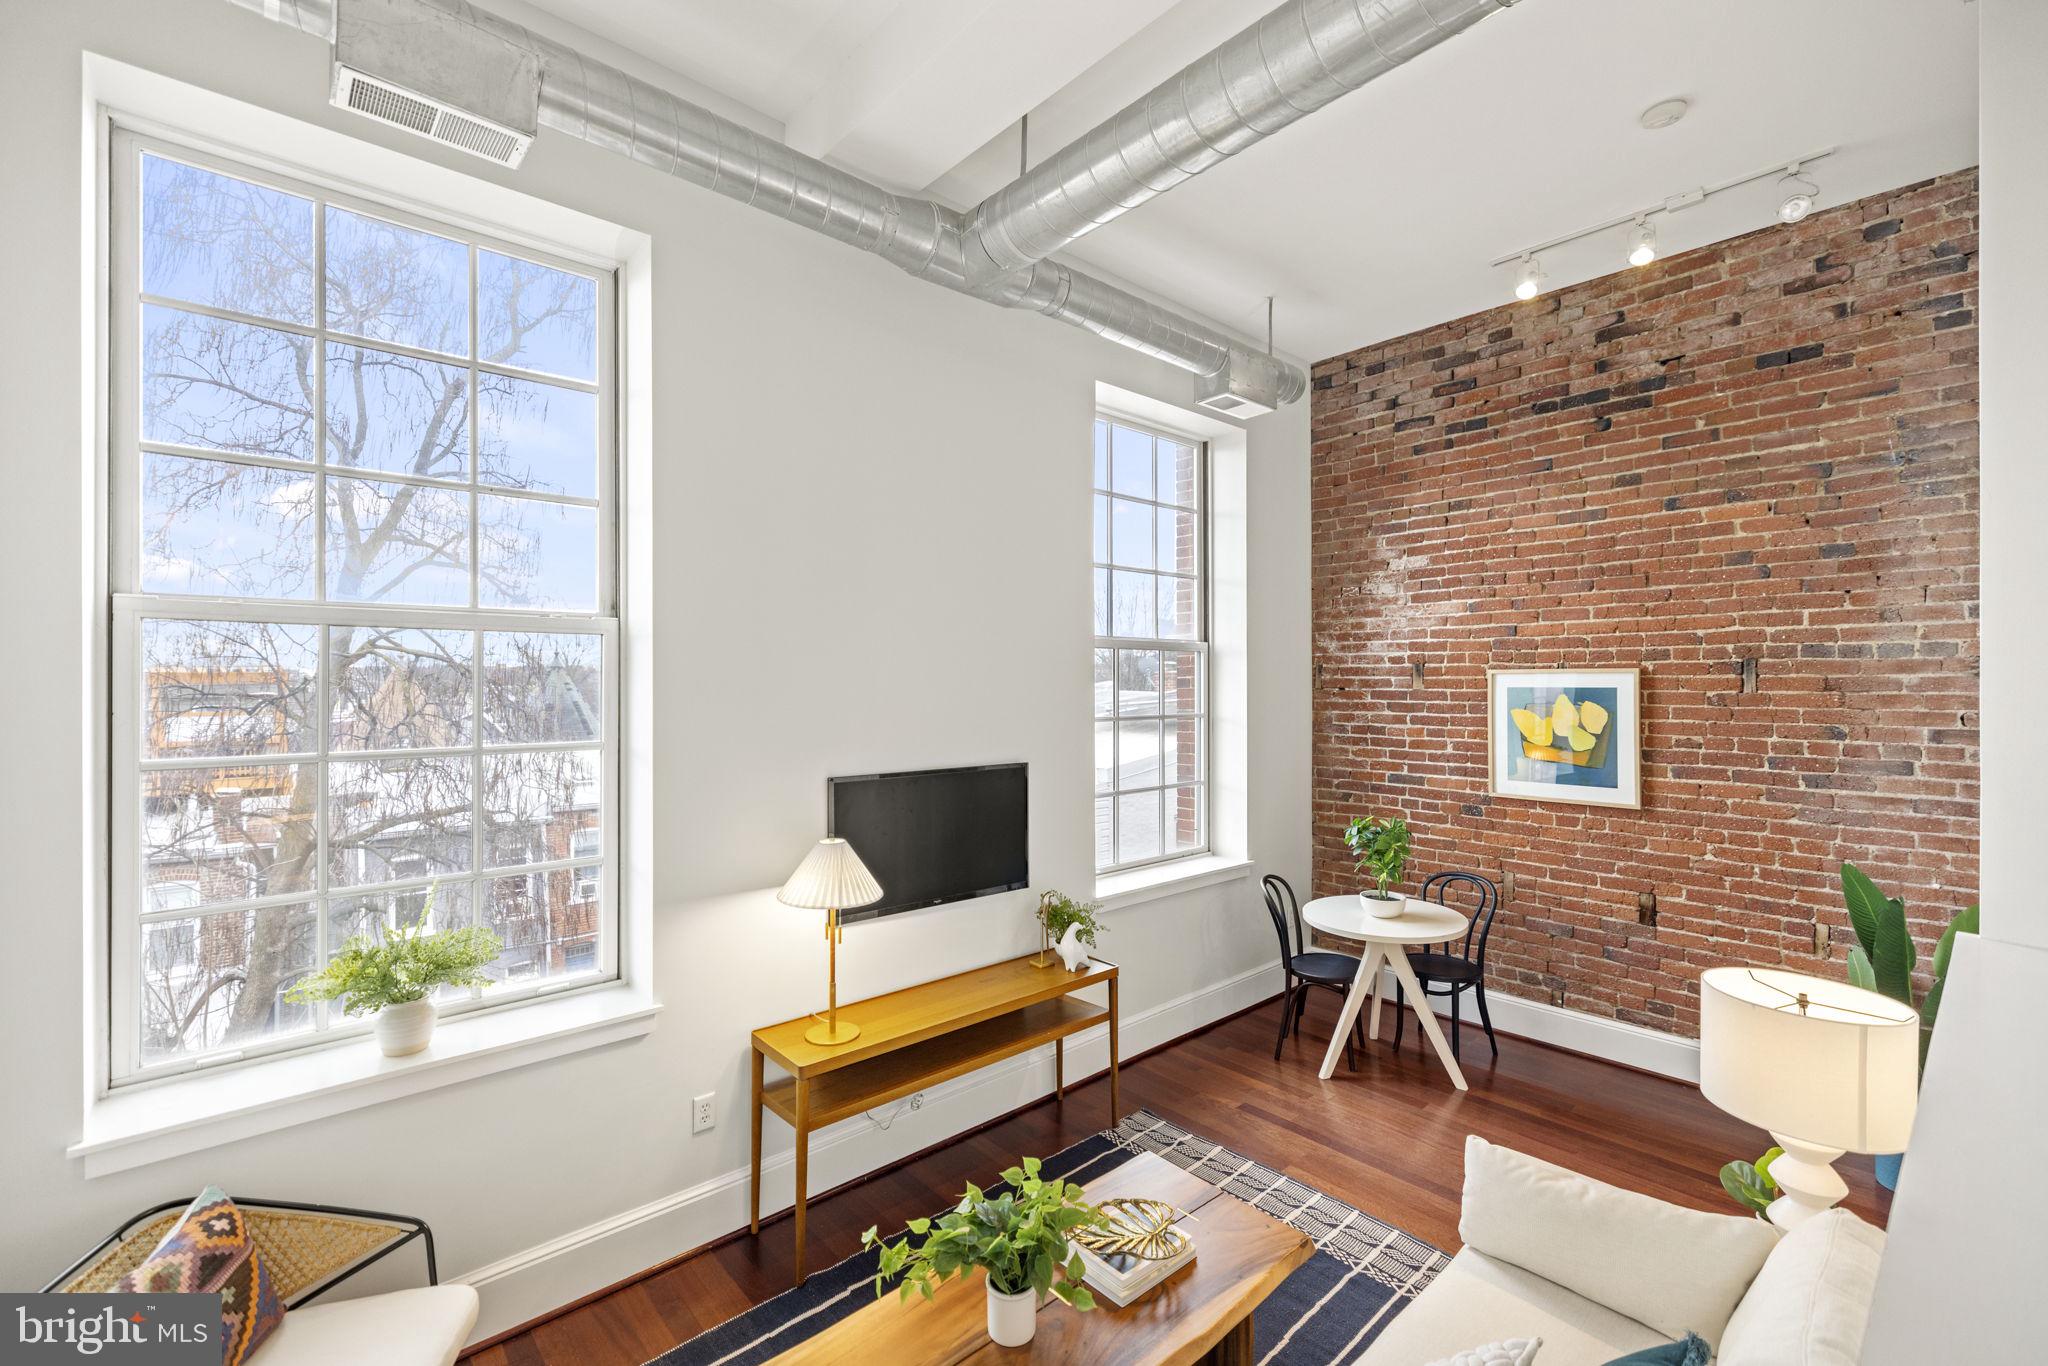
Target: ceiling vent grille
<point x="429" y="118"/>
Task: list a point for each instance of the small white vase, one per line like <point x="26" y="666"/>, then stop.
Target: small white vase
<point x="1389" y="908"/>
<point x="405" y="1028"/>
<point x="1012" y="1319"/>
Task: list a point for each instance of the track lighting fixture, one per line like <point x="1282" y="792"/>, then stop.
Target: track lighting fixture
<point x="1797" y="193"/>
<point x="1643" y="243"/>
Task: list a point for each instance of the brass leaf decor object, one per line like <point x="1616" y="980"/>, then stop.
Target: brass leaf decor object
<point x="1138" y="1228"/>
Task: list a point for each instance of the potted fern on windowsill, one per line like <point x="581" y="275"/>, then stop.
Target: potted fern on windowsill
<point x="397" y="978"/>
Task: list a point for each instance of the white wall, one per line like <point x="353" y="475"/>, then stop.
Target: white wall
<point x="844" y="458"/>
<point x="2013" y="138"/>
<point x="1970" y="1194"/>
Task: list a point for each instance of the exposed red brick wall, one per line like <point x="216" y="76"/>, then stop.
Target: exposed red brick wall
<point x="1765" y="449"/>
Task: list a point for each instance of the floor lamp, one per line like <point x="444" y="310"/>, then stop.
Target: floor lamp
<point x="831" y="879"/>
<point x="1826" y="1067"/>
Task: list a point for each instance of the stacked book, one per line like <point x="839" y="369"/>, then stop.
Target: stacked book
<point x="1121" y="1277"/>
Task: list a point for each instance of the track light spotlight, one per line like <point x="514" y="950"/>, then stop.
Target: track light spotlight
<point x="1643" y="243"/>
<point x="1530" y="284"/>
<point x="1797" y="193"/>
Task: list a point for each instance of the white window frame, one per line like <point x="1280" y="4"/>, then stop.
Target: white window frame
<point x="127" y="607"/>
<point x="1202" y="783"/>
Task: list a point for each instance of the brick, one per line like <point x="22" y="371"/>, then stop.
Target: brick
<point x="1682" y="468"/>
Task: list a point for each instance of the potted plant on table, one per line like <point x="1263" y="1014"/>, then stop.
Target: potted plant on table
<point x="397" y="978"/>
<point x="1018" y="1237"/>
<point x="1059" y="914"/>
<point x="1379" y="844"/>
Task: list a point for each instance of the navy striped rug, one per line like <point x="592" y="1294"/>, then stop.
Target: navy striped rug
<point x="1363" y="1272"/>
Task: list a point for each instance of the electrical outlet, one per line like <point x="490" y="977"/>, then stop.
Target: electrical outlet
<point x="1823" y="940"/>
<point x="703" y="1112"/>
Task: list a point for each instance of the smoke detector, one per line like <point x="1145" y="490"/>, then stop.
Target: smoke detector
<point x="433" y="73"/>
<point x="1663" y="114"/>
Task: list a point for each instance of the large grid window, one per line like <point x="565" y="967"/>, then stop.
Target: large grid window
<point x="363" y="562"/>
<point x="1151" y="647"/>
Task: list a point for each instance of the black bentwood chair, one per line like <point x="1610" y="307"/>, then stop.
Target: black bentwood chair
<point x="1314" y="968"/>
<point x="1449" y="974"/>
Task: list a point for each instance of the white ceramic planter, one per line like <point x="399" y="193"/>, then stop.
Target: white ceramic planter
<point x="1388" y="909"/>
<point x="404" y="1029"/>
<point x="1012" y="1319"/>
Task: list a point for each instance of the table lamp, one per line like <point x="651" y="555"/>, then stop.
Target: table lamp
<point x="831" y="879"/>
<point x="1826" y="1067"/>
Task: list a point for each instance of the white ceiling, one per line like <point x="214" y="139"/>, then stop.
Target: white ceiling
<point x="1379" y="214"/>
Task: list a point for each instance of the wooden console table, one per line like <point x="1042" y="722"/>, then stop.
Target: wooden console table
<point x="919" y="1037"/>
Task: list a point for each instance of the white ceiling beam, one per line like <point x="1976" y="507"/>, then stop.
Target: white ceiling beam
<point x="942" y="77"/>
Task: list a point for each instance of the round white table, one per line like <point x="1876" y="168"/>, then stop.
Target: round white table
<point x="1386" y="940"/>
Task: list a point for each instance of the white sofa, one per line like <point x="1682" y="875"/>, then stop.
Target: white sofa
<point x="1598" y="1272"/>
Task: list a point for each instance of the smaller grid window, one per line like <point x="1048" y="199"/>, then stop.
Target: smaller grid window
<point x="1151" y="646"/>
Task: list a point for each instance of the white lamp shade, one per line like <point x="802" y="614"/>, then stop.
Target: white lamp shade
<point x="1839" y="1071"/>
<point x="831" y="878"/>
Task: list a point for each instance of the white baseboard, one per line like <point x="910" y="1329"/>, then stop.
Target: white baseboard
<point x="1595" y="1035"/>
<point x="550" y="1274"/>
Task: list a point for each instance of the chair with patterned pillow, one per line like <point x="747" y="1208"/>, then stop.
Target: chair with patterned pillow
<point x="305" y="1250"/>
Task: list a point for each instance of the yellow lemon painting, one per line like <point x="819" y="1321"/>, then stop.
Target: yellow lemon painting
<point x="1566" y="735"/>
<point x="1574" y="732"/>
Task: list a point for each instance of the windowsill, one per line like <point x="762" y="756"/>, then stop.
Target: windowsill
<point x="1140" y="885"/>
<point x="143" y="1124"/>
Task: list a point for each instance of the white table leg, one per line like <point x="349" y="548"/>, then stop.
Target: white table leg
<point x="1372" y="1026"/>
<point x="1397" y="959"/>
<point x="1354" y="1001"/>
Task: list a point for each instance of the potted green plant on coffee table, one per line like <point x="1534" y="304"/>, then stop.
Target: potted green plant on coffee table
<point x="396" y="976"/>
<point x="1379" y="844"/>
<point x="1018" y="1237"/>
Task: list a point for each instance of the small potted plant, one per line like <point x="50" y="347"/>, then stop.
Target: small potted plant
<point x="397" y="978"/>
<point x="1019" y="1238"/>
<point x="1057" y="914"/>
<point x="1380" y="846"/>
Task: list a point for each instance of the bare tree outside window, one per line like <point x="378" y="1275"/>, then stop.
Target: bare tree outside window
<point x="368" y="491"/>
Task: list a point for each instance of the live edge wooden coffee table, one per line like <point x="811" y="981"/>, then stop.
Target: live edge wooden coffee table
<point x="1201" y="1313"/>
<point x="919" y="1037"/>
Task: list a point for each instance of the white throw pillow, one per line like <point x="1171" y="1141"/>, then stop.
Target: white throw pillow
<point x="1676" y="1270"/>
<point x="1513" y="1352"/>
<point x="1809" y="1304"/>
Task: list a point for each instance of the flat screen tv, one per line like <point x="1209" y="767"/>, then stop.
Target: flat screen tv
<point x="938" y="835"/>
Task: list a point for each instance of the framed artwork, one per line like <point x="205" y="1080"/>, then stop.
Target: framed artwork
<point x="1565" y="735"/>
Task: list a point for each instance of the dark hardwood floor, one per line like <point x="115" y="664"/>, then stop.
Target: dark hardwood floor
<point x="1388" y="1138"/>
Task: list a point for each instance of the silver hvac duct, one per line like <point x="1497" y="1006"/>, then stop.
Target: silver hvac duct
<point x="1289" y="64"/>
<point x="446" y="50"/>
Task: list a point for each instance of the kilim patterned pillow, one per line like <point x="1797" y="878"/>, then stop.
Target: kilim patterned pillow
<point x="210" y="1251"/>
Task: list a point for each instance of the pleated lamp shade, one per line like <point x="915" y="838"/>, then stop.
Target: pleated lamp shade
<point x="831" y="878"/>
